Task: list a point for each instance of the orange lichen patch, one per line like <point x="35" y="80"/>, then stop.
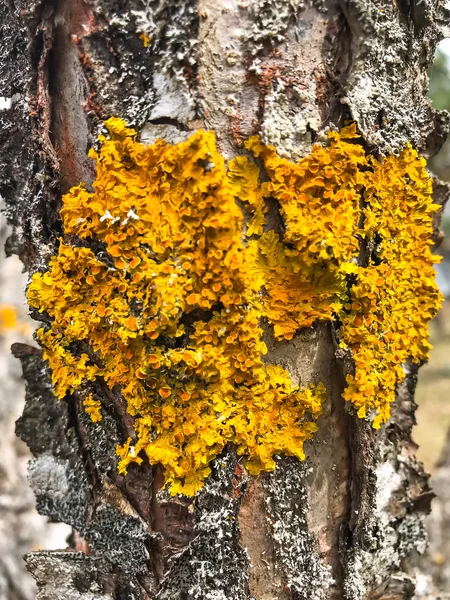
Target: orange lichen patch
<point x="245" y="178"/>
<point x="11" y="321"/>
<point x="291" y="298"/>
<point x="396" y="295"/>
<point x="170" y="309"/>
<point x="304" y="270"/>
<point x="145" y="39"/>
<point x="92" y="408"/>
<point x="319" y="199"/>
<point x="385" y="306"/>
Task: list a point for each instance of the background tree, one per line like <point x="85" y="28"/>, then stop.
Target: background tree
<point x="439" y="93"/>
<point x="342" y="524"/>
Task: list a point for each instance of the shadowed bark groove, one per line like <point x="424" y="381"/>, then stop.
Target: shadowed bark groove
<point x="343" y="523"/>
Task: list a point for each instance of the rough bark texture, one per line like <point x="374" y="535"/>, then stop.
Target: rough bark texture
<point x="340" y="525"/>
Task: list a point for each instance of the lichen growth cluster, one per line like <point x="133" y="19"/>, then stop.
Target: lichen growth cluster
<point x="360" y="234"/>
<point x="385" y="322"/>
<point x="156" y="291"/>
<point x="170" y="309"/>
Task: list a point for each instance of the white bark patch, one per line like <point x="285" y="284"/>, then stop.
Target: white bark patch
<point x="171" y="101"/>
<point x="388" y="481"/>
<point x="6" y="103"/>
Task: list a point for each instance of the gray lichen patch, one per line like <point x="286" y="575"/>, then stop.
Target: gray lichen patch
<point x="119" y="538"/>
<point x="291" y="79"/>
<point x="57" y="474"/>
<point x="67" y="490"/>
<point x="385" y="87"/>
<point x="61" y="488"/>
<point x="384" y="541"/>
<point x="171" y="28"/>
<point x="271" y="20"/>
<point x="261" y="71"/>
<point x="173" y="40"/>
<point x="213" y="566"/>
<point x="74" y="576"/>
<point x="115" y="62"/>
<point x="290" y="116"/>
<point x="141" y="61"/>
<point x="287" y="506"/>
<point x="100" y="440"/>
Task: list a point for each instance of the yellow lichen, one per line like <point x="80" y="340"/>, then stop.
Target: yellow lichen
<point x="332" y="201"/>
<point x="169" y="306"/>
<point x="155" y="291"/>
<point x="395" y="295"/>
<point x="93" y="408"/>
<point x="145" y="39"/>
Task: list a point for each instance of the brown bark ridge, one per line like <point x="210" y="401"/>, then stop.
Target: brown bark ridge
<point x="343" y="523"/>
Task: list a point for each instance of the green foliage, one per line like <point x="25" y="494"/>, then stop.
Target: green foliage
<point x="439" y="93"/>
<point x="439" y="75"/>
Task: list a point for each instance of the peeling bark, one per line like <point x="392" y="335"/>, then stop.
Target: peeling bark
<point x="344" y="523"/>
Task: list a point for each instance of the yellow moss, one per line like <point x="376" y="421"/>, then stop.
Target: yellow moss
<point x="171" y="302"/>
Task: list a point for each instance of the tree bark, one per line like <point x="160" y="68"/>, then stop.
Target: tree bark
<point x="342" y="524"/>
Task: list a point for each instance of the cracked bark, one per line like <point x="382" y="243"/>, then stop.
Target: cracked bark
<point x="326" y="528"/>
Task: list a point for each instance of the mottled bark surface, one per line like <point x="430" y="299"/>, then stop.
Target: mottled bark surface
<point x="340" y="525"/>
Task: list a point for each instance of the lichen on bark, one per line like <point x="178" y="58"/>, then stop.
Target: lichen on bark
<point x="307" y="73"/>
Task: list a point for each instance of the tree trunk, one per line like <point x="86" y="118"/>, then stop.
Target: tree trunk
<point x="344" y="522"/>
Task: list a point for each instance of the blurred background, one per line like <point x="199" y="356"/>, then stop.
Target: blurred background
<point x="22" y="529"/>
<point x="433" y="389"/>
<point x="432" y="432"/>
